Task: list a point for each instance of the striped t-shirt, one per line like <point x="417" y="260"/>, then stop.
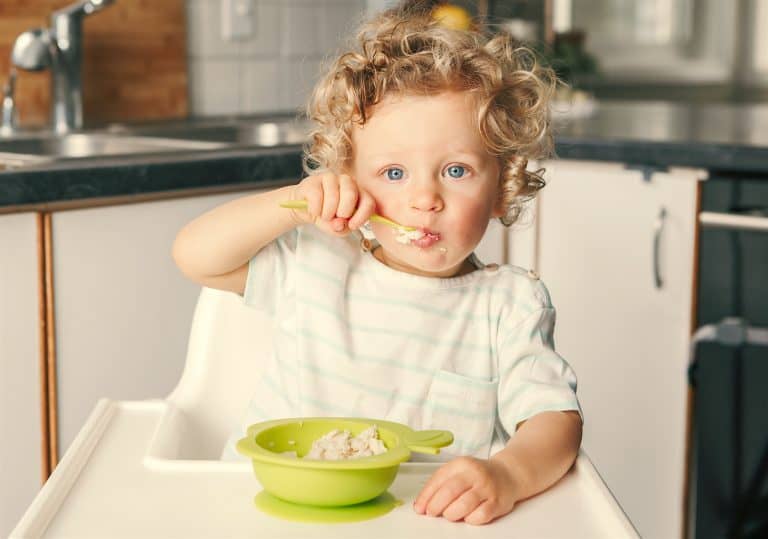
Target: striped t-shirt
<point x="472" y="354"/>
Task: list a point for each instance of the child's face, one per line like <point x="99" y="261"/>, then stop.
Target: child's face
<point x="424" y="163"/>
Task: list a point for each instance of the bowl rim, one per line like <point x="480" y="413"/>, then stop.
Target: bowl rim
<point x="392" y="457"/>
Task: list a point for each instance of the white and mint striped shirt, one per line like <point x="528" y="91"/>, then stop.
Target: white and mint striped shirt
<point x="471" y="354"/>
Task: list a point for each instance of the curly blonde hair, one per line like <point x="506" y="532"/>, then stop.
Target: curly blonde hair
<point x="404" y="50"/>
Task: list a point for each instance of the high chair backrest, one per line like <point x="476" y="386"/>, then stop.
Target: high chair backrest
<point x="227" y="343"/>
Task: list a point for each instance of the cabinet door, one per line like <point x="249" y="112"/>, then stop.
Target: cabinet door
<point x="20" y="419"/>
<point x="123" y="309"/>
<point x="626" y="337"/>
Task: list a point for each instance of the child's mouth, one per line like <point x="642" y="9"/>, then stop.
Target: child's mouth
<point x="420" y="237"/>
<point x="426" y="239"/>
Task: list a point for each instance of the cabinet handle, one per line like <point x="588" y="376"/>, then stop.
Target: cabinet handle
<point x="735" y="221"/>
<point x="658" y="228"/>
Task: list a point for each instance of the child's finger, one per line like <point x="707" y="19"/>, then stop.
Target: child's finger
<point x="483" y="514"/>
<point x="339" y="225"/>
<point x="330" y="196"/>
<point x="313" y="193"/>
<point x="444" y="496"/>
<point x="348" y="196"/>
<point x="365" y="207"/>
<point x="463" y="505"/>
<point x="432" y="485"/>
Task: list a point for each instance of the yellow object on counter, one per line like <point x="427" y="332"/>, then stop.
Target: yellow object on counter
<point x="452" y="16"/>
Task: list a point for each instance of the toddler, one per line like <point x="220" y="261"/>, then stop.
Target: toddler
<point x="432" y="128"/>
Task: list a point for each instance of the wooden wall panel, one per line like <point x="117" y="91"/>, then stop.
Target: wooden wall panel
<point x="134" y="66"/>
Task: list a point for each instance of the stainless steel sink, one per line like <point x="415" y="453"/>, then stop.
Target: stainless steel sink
<point x="264" y="133"/>
<point x="44" y="148"/>
<point x="94" y="144"/>
<point x="47" y="149"/>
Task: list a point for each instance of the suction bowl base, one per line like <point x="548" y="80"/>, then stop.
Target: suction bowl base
<point x="379" y="506"/>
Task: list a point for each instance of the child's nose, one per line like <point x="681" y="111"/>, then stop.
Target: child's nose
<point x="426" y="198"/>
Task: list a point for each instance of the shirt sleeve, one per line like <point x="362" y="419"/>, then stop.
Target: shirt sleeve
<point x="270" y="274"/>
<point x="533" y="378"/>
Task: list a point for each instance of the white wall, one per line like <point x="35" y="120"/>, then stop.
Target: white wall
<point x="272" y="69"/>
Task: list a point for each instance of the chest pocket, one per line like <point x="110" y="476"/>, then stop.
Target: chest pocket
<point x="466" y="407"/>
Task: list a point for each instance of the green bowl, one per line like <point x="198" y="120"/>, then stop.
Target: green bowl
<point x="331" y="483"/>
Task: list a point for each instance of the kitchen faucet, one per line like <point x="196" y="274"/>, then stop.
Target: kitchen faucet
<point x="59" y="47"/>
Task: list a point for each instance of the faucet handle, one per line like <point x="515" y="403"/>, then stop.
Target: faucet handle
<point x="32" y="50"/>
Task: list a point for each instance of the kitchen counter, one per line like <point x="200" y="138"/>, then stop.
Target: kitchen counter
<point x="725" y="139"/>
<point x="722" y="138"/>
<point x="58" y="185"/>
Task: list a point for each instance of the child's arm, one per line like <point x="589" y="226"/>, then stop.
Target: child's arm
<point x="214" y="249"/>
<point x="479" y="491"/>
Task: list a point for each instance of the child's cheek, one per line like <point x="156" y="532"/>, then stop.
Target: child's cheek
<point x="469" y="234"/>
<point x="470" y="225"/>
<point x="379" y="198"/>
<point x="391" y="208"/>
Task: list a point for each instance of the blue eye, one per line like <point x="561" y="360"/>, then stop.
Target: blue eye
<point x="456" y="171"/>
<point x="395" y="173"/>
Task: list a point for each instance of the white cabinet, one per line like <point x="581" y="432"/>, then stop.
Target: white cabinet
<point x="519" y="238"/>
<point x="123" y="310"/>
<point x="20" y="414"/>
<point x="490" y="247"/>
<point x="626" y="337"/>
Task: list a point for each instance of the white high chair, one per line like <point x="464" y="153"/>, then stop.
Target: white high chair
<point x="226" y="340"/>
<point x="151" y="469"/>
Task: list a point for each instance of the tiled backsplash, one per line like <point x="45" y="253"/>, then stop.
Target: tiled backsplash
<point x="273" y="69"/>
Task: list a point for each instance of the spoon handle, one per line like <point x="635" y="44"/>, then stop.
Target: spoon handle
<point x="294" y="204"/>
<point x="302" y="205"/>
<point x="384" y="221"/>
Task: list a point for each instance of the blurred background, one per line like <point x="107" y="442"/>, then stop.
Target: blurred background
<point x="171" y="58"/>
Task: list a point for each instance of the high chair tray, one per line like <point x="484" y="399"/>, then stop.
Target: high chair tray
<point x="105" y="486"/>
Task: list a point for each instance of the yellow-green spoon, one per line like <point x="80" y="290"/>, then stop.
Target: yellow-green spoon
<point x="302" y="205"/>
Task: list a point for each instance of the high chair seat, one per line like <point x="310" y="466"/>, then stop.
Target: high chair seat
<point x="151" y="468"/>
<point x="227" y="343"/>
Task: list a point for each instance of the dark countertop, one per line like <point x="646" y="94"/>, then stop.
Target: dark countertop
<point x="725" y="139"/>
<point x="80" y="183"/>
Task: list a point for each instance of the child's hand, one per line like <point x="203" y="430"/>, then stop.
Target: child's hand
<point x="334" y="203"/>
<point x="468" y="488"/>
